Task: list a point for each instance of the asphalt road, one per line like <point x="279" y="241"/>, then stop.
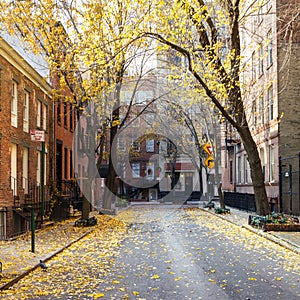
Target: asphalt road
<point x="170" y="253"/>
<point x="170" y="256"/>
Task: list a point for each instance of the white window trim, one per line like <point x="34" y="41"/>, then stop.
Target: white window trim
<point x="44" y="116"/>
<point x="26" y="112"/>
<point x="14" y="104"/>
<point x="38" y="114"/>
<point x="271" y="163"/>
<point x="136" y="169"/>
<point x="25" y="169"/>
<point x="14" y="168"/>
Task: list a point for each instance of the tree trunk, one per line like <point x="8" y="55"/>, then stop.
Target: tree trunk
<point x="86" y="197"/>
<point x="261" y="199"/>
<point x="110" y="191"/>
<point x="221" y="196"/>
<point x="200" y="180"/>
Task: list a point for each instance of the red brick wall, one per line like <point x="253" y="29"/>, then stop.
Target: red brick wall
<point x="10" y="134"/>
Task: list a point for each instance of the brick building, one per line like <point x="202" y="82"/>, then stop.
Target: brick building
<point x="25" y="106"/>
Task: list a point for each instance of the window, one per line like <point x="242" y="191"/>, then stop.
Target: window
<point x="261" y="59"/>
<point x="71" y="112"/>
<point x="135" y="170"/>
<point x="44" y="114"/>
<point x="270" y="102"/>
<point x="135" y="146"/>
<point x="150" y="145"/>
<point x="261" y="110"/>
<point x="270" y="49"/>
<point x="66" y="162"/>
<point x="254" y="113"/>
<point x="253" y="66"/>
<point x="25" y="169"/>
<point x="26" y="112"/>
<point x="272" y="163"/>
<point x="150" y="171"/>
<point x="121" y="144"/>
<point x="65" y="114"/>
<point x="149" y="119"/>
<point x="14" y="104"/>
<point x="239" y="169"/>
<point x="263" y="162"/>
<point x="14" y="168"/>
<point x="231" y="171"/>
<point x="245" y="169"/>
<point x="58" y="111"/>
<point x="39" y="114"/>
<point x="71" y="164"/>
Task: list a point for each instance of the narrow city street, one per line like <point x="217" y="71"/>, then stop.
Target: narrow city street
<point x="167" y="252"/>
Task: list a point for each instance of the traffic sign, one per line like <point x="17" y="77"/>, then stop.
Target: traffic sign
<point x="208" y="148"/>
<point x="37" y="135"/>
<point x="209" y="162"/>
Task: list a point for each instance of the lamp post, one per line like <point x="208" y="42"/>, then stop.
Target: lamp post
<point x="32" y="226"/>
<point x="43" y="182"/>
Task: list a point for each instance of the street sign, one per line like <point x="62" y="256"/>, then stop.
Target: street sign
<point x="209" y="162"/>
<point x="208" y="148"/>
<point x="37" y="135"/>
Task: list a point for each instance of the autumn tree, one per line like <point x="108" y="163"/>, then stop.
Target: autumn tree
<point x="207" y="36"/>
<point x="86" y="44"/>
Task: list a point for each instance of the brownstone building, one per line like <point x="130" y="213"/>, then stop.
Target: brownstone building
<point x="26" y="108"/>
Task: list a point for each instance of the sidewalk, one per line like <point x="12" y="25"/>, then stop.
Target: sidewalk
<point x="17" y="259"/>
<point x="290" y="240"/>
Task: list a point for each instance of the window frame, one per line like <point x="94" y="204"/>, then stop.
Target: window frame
<point x="14" y="104"/>
<point x="26" y="102"/>
<point x="136" y="166"/>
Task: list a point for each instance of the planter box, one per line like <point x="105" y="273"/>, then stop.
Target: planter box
<point x="281" y="227"/>
<point x="260" y="223"/>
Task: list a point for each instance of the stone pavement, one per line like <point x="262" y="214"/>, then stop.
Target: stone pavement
<point x="18" y="260"/>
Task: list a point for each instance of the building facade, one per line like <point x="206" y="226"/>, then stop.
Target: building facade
<point x="25" y="159"/>
<point x="271" y="50"/>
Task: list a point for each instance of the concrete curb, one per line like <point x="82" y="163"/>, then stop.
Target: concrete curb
<point x="267" y="235"/>
<point x="19" y="277"/>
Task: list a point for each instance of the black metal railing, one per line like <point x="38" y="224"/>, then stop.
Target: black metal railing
<point x="240" y="201"/>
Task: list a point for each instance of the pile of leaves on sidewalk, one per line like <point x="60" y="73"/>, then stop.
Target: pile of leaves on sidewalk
<point x="16" y="255"/>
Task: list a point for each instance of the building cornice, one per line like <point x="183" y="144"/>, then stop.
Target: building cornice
<point x="16" y="60"/>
